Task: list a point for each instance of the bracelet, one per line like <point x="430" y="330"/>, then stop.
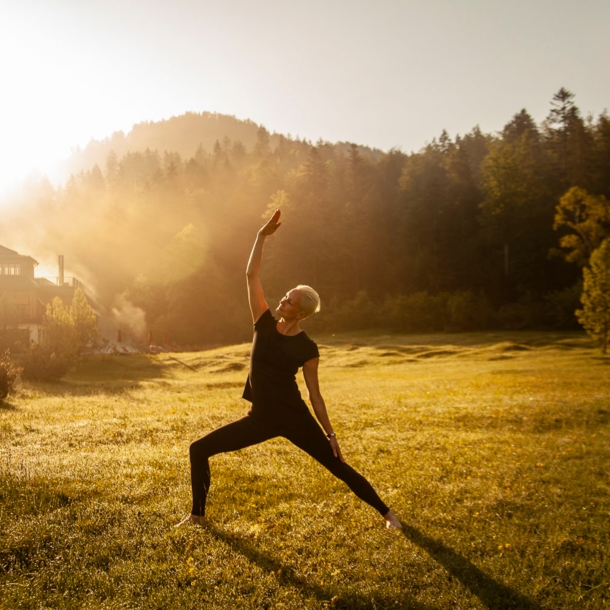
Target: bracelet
<point x="331" y="435"/>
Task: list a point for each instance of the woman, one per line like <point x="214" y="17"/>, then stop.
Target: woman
<point x="279" y="349"/>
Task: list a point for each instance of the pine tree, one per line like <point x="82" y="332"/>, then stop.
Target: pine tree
<point x="595" y="314"/>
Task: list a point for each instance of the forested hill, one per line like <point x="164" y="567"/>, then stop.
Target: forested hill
<point x="185" y="135"/>
<point x="481" y="231"/>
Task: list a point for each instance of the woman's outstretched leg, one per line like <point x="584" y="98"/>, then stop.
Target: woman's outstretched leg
<point x="237" y="435"/>
<point x="309" y="437"/>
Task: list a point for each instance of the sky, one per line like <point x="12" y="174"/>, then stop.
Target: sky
<point x="382" y="73"/>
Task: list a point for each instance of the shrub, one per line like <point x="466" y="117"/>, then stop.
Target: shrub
<point x="41" y="364"/>
<point x="467" y="311"/>
<point x="359" y="313"/>
<point x="8" y="374"/>
<point x="83" y="320"/>
<point x="561" y="307"/>
<point x="419" y="312"/>
<point x="528" y="313"/>
<point x="61" y="345"/>
<point x="60" y="336"/>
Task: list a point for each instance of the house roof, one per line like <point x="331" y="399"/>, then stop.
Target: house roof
<point x="12" y="255"/>
<point x="17" y="282"/>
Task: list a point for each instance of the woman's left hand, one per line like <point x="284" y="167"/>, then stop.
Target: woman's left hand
<point x="334" y="444"/>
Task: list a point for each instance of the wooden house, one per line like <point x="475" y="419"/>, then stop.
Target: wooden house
<point x="31" y="294"/>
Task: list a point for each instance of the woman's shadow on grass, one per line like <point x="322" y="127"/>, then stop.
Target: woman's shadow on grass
<point x="287" y="576"/>
<point x="491" y="593"/>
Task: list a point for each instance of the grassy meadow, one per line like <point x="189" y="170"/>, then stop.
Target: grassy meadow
<point x="493" y="449"/>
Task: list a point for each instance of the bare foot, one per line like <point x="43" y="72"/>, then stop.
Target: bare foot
<point x="392" y="522"/>
<point x="194" y="519"/>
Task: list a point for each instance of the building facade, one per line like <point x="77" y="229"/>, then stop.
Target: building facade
<point x="31" y="294"/>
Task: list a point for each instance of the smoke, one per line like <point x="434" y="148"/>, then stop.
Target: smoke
<point x="129" y="319"/>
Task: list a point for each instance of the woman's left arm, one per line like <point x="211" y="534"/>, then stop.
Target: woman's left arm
<point x="310" y="373"/>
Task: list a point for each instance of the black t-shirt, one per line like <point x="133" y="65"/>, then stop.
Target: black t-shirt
<point x="274" y="362"/>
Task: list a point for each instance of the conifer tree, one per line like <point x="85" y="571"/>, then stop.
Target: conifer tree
<point x="595" y="298"/>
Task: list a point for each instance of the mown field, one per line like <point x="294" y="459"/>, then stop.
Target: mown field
<point x="493" y="449"/>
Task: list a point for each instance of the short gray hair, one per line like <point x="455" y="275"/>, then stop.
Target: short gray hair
<point x="310" y="299"/>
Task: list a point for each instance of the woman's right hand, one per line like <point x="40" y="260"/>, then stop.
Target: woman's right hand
<point x="334" y="445"/>
<point x="272" y="224"/>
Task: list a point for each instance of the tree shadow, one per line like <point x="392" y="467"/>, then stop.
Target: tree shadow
<point x="105" y="374"/>
<point x="7" y="406"/>
<point x="288" y="577"/>
<point x="493" y="594"/>
<point x="78" y="389"/>
<point x="602" y="359"/>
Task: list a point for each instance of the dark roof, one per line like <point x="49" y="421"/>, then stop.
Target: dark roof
<point x="17" y="282"/>
<point x="8" y="254"/>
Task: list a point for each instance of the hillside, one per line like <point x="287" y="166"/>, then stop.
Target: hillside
<point x="481" y="232"/>
<point x="182" y="134"/>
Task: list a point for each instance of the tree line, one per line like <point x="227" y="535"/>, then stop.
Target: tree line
<point x="473" y="232"/>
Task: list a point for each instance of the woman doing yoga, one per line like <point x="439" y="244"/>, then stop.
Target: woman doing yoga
<point x="279" y="349"/>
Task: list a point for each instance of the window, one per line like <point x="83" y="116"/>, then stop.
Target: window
<point x="10" y="269"/>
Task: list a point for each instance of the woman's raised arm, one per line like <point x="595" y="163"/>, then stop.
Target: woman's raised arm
<point x="256" y="298"/>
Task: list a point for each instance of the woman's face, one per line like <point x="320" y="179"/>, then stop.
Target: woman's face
<point x="290" y="306"/>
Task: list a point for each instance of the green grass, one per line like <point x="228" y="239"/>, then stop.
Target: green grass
<point x="493" y="449"/>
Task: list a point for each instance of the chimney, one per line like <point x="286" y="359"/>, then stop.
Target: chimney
<point x="60" y="279"/>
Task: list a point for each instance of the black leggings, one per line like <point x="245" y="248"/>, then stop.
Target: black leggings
<point x="305" y="433"/>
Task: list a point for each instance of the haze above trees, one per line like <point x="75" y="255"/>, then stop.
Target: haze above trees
<point x="462" y="235"/>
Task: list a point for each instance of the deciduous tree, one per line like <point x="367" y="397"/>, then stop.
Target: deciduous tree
<point x="84" y="320"/>
<point x="595" y="298"/>
<point x="588" y="216"/>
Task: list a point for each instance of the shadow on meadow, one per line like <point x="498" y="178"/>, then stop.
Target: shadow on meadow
<point x="288" y="577"/>
<point x="70" y="388"/>
<point x="493" y="594"/>
<point x="103" y="374"/>
<point x="5" y="405"/>
<point x="602" y="359"/>
<point x="563" y="340"/>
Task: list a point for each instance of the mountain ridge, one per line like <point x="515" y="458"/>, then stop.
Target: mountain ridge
<point x="183" y="134"/>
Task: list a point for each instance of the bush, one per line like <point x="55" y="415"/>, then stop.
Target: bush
<point x="14" y="339"/>
<point x="528" y="313"/>
<point x="8" y="374"/>
<point x="41" y="364"/>
<point x="419" y="312"/>
<point x="468" y="311"/>
<point x="561" y="307"/>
